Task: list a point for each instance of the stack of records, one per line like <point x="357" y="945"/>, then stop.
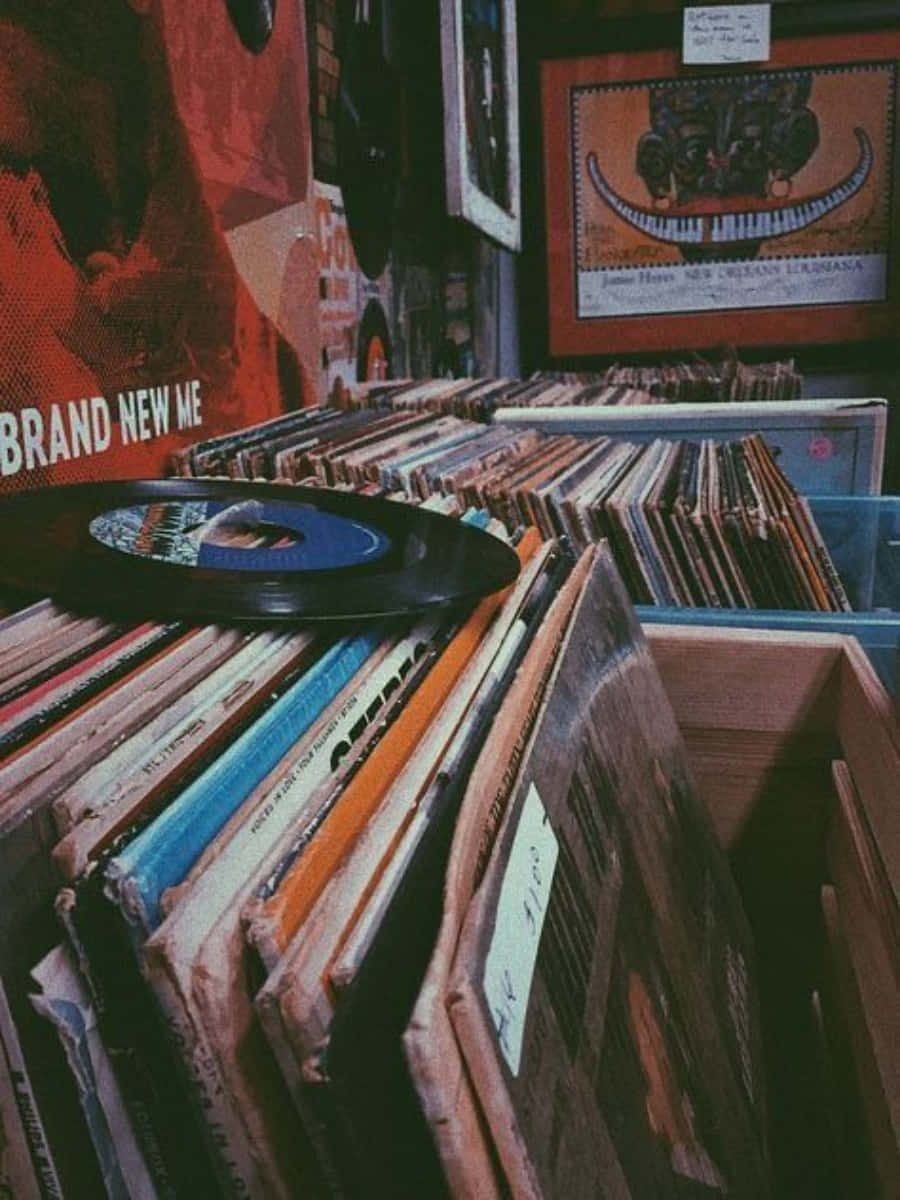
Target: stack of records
<point x="699" y="381"/>
<point x="695" y="382"/>
<point x="690" y="524"/>
<point x="243" y="831"/>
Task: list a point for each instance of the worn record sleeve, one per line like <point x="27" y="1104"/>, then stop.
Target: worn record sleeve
<point x="602" y="989"/>
<point x="751" y="514"/>
<point x="42" y="770"/>
<point x="146" y="1067"/>
<point x="718" y="503"/>
<point x="386" y="1148"/>
<point x="154" y="766"/>
<point x="655" y="509"/>
<point x="27" y="1167"/>
<point x="38" y="661"/>
<point x="436" y="1068"/>
<point x="176" y="695"/>
<point x="44" y="705"/>
<point x="63" y="999"/>
<point x="685" y="503"/>
<point x="283" y="913"/>
<point x="18" y="1177"/>
<point x="198" y="962"/>
<point x="734" y="531"/>
<point x="162" y="854"/>
<point x="301" y="980"/>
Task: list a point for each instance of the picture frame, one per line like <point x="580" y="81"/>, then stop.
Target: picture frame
<point x="782" y="232"/>
<point x="481" y="124"/>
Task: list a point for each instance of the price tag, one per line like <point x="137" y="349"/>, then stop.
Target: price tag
<point x="732" y="33"/>
<point x="522" y="907"/>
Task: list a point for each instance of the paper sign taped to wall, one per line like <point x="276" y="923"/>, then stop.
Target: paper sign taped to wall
<point x="732" y="33"/>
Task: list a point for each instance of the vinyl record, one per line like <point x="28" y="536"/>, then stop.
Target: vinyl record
<point x="367" y="151"/>
<point x="253" y="21"/>
<point x="226" y="550"/>
<point x="373" y="354"/>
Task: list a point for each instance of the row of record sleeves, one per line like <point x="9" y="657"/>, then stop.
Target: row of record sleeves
<point x="412" y="908"/>
<point x="690" y="523"/>
<point x="696" y="382"/>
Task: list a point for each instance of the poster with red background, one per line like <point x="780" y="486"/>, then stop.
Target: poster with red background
<point x="158" y="265"/>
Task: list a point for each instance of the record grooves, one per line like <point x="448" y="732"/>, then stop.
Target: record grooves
<point x="367" y="142"/>
<point x="234" y="551"/>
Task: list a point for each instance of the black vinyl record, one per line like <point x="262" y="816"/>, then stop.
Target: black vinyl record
<point x="253" y="21"/>
<point x="367" y="148"/>
<point x="204" y="550"/>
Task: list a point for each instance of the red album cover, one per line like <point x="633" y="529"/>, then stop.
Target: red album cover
<point x="158" y="269"/>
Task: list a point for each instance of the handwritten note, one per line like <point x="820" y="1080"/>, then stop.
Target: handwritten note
<point x="524" y="895"/>
<point x="732" y="33"/>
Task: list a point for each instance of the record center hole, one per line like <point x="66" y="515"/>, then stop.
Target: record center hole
<point x="238" y="534"/>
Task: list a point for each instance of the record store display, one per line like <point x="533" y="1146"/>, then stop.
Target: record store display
<point x="225" y="922"/>
<point x="231" y="551"/>
<point x="224" y="830"/>
<point x="677" y="383"/>
<point x="690" y="523"/>
<point x="388" y="251"/>
<point x="375" y="819"/>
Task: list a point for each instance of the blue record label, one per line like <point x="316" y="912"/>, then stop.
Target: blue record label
<point x="250" y="535"/>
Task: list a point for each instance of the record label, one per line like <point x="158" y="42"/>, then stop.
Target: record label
<point x="250" y="535"/>
<point x="227" y="550"/>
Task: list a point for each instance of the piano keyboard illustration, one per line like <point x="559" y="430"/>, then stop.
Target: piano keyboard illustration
<point x="749" y="226"/>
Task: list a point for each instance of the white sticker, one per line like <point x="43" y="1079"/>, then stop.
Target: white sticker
<point x="524" y="895"/>
<point x="733" y="33"/>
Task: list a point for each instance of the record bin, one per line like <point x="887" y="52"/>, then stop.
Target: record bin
<point x="863" y="535"/>
<point x="796" y="752"/>
<point x="825" y="447"/>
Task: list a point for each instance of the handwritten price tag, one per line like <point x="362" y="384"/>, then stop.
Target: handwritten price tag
<point x="524" y="895"/>
<point x="732" y="33"/>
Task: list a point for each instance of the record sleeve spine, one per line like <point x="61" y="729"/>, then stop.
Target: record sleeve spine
<point x="42" y="1163"/>
<point x="206" y="1087"/>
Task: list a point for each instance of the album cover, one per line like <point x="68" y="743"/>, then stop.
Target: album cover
<point x="595" y="1053"/>
<point x="155" y="289"/>
<point x="137" y="778"/>
<point x="387" y="1147"/>
<point x="300" y="982"/>
<point x="198" y="962"/>
<point x="436" y="1068"/>
<point x="98" y="930"/>
<point x="18" y="1174"/>
<point x="160" y="856"/>
<point x="281" y="915"/>
<point x="63" y="999"/>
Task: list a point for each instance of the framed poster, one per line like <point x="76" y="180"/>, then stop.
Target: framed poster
<point x="687" y="207"/>
<point x="481" y="123"/>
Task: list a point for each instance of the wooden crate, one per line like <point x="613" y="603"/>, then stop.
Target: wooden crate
<point x="796" y="751"/>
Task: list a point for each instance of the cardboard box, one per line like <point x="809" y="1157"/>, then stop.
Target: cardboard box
<point x="769" y="717"/>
